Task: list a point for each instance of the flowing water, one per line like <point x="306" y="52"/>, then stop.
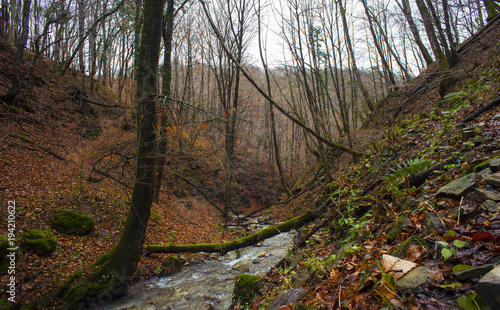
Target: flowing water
<point x="200" y="286"/>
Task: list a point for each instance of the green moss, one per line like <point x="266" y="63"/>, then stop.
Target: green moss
<point x="5" y="304"/>
<point x="61" y="290"/>
<point x="484" y="164"/>
<point x="72" y="223"/>
<point x="245" y="288"/>
<point x="445" y="84"/>
<point x="42" y="243"/>
<point x="22" y="138"/>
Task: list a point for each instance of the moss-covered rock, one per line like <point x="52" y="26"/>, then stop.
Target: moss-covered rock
<point x="72" y="223"/>
<point x="173" y="264"/>
<point x="245" y="288"/>
<point x="42" y="243"/>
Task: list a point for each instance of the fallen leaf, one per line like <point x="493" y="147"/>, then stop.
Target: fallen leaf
<point x="413" y="252"/>
<point x="399" y="266"/>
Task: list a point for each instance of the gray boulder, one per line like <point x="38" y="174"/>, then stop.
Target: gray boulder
<point x="493" y="180"/>
<point x="473" y="272"/>
<point x="482" y="195"/>
<point x="458" y="188"/>
<point x="488" y="288"/>
<point x="494" y="164"/>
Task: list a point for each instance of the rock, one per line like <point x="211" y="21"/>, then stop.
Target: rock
<point x="488" y="288"/>
<point x="481" y="195"/>
<point x="261" y="254"/>
<point x="468" y="133"/>
<point x="458" y="188"/>
<point x="413" y="279"/>
<point x="433" y="221"/>
<point x="287" y="298"/>
<point x="301" y="278"/>
<point x="467" y="157"/>
<point x="494" y="164"/>
<point x="245" y="288"/>
<point x="242" y="266"/>
<point x="491" y="206"/>
<point x="72" y="223"/>
<point x="493" y="180"/>
<point x="42" y="243"/>
<point x="473" y="272"/>
<point x="195" y="260"/>
<point x="173" y="264"/>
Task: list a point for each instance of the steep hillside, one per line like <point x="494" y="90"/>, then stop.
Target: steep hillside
<point x="394" y="211"/>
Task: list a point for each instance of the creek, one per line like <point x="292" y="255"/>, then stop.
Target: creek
<point x="205" y="285"/>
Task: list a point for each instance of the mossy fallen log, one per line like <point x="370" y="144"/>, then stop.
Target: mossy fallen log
<point x="225" y="247"/>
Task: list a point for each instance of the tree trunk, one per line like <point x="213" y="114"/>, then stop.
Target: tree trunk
<point x="405" y="8"/>
<point x="350" y="48"/>
<point x="167" y="32"/>
<point x="118" y="265"/>
<point x="385" y="64"/>
<point x="18" y="57"/>
<point x="447" y="79"/>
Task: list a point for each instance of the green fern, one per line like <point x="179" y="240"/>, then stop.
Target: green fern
<point x="402" y="172"/>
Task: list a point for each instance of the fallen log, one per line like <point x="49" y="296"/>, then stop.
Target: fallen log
<point x="224" y="247"/>
<point x="481" y="110"/>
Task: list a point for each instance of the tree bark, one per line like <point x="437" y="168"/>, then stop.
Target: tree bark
<point x="18" y="56"/>
<point x="118" y="265"/>
<point x="405" y="8"/>
<point x="167" y="33"/>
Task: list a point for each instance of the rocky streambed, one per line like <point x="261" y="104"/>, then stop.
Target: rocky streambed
<point x="205" y="285"/>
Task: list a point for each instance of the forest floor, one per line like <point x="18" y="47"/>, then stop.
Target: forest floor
<point x="51" y="160"/>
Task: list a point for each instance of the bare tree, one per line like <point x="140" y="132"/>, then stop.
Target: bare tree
<point x="18" y="57"/>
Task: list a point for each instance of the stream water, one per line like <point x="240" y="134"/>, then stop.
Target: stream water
<point x="200" y="286"/>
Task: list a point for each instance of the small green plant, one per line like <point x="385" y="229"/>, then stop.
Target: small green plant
<point x="402" y="172"/>
<point x="449" y="249"/>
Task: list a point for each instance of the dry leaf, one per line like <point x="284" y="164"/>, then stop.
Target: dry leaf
<point x="334" y="275"/>
<point x="399" y="266"/>
<point x="413" y="252"/>
<point x="435" y="277"/>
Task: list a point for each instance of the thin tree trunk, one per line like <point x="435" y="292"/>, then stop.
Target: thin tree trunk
<point x="167" y="32"/>
<point x="18" y="56"/>
<point x="405" y="8"/>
